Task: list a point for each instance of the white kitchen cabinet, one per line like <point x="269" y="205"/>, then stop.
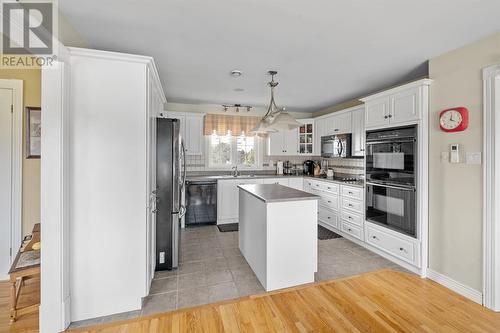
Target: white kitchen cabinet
<point x="400" y="105"/>
<point x="377" y="112"/>
<point x="111" y="169"/>
<point x="339" y="123"/>
<point x="404" y="106"/>
<point x="296" y="183"/>
<point x="396" y="244"/>
<point x="279" y="181"/>
<point x="193" y="138"/>
<point x="306" y="136"/>
<point x="227" y="199"/>
<point x="358" y="132"/>
<point x="320" y="126"/>
<point x="283" y="143"/>
<point x="191" y="130"/>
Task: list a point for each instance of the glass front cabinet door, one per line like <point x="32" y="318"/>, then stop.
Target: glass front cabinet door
<point x="306" y="137"/>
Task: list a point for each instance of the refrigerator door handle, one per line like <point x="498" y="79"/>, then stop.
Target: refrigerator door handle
<point x="175" y="239"/>
<point x="183" y="180"/>
<point x="182" y="211"/>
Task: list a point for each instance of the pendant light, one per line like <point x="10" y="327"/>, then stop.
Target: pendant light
<point x="275" y="119"/>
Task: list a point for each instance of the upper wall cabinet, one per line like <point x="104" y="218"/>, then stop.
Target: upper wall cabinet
<point x="358" y="131"/>
<point x="398" y="106"/>
<point x="338" y="123"/>
<point x="349" y="120"/>
<point x="191" y="130"/>
<point x="283" y="143"/>
<point x="306" y="137"/>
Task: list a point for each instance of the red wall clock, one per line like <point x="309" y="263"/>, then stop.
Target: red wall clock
<point x="454" y="119"/>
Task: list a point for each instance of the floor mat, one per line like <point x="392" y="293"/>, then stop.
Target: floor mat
<point x="228" y="227"/>
<point x="324" y="233"/>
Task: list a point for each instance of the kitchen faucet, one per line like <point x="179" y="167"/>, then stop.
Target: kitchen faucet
<point x="235" y="172"/>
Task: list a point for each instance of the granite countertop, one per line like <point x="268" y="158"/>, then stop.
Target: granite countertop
<point x="359" y="183"/>
<point x="276" y="193"/>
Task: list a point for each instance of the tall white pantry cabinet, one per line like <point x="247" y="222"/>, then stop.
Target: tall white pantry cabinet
<point x="114" y="99"/>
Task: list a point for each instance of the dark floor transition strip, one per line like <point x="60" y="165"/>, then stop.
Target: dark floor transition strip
<point x="228" y="227"/>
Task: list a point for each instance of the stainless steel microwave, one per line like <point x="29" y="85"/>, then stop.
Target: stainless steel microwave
<point x="336" y="145"/>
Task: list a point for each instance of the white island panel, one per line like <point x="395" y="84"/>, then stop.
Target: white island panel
<point x="279" y="238"/>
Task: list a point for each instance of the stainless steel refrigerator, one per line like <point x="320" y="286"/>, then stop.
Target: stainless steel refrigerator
<point x="170" y="180"/>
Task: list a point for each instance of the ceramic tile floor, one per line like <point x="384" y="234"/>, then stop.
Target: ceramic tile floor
<point x="212" y="269"/>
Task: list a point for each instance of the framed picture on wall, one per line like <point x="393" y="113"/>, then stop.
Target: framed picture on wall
<point x="33" y="131"/>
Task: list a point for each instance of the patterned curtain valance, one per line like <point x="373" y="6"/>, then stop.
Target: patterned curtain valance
<point x="221" y="124"/>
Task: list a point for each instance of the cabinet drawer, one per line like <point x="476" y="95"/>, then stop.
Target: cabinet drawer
<point x="330" y="187"/>
<point x="329" y="217"/>
<point x="352" y="192"/>
<point x="329" y="201"/>
<point x="354" y="205"/>
<point x="398" y="247"/>
<point x="352" y="230"/>
<point x="348" y="216"/>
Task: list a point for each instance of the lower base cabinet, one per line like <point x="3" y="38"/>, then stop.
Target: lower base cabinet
<point x="400" y="246"/>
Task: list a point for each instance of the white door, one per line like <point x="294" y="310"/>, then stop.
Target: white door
<point x="5" y="180"/>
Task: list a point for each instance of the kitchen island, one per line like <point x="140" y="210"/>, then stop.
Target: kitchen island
<point x="278" y="234"/>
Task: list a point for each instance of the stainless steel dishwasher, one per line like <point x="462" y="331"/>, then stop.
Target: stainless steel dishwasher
<point x="201" y="202"/>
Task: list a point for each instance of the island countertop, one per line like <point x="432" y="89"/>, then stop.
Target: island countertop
<point x="276" y="193"/>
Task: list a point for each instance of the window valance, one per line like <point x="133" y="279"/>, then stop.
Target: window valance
<point x="222" y="124"/>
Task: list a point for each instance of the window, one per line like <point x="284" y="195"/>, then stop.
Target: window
<point x="226" y="151"/>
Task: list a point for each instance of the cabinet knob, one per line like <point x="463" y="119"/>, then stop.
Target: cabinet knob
<point x="349" y="217"/>
<point x="374" y="237"/>
<point x="336" y="130"/>
<point x="328" y="217"/>
<point x="390" y="116"/>
<point x="385" y="117"/>
<point x="349" y="229"/>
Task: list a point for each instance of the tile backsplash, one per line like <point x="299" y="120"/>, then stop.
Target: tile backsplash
<point x="197" y="164"/>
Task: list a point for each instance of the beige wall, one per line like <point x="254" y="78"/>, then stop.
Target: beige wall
<point x="455" y="209"/>
<point x="31" y="167"/>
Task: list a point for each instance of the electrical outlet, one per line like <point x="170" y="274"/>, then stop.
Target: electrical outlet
<point x="162" y="257"/>
<point x="473" y="158"/>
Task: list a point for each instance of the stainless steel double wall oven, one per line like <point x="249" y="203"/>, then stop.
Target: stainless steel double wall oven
<point x="391" y="173"/>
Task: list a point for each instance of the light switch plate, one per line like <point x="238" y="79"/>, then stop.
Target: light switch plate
<point x="445" y="157"/>
<point x="473" y="158"/>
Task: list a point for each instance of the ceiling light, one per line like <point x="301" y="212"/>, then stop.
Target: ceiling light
<point x="236" y="107"/>
<point x="236" y="73"/>
<point x="275" y="119"/>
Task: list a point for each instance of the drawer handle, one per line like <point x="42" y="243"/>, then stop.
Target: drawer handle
<point x="328" y="217"/>
<point x="374" y="237"/>
<point x="350" y="192"/>
<point x="329" y="201"/>
<point x="350" y="205"/>
<point x="402" y="249"/>
<point x="349" y="229"/>
<point x="329" y="188"/>
<point x="349" y="217"/>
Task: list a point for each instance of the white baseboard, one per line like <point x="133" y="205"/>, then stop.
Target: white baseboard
<point x="456" y="286"/>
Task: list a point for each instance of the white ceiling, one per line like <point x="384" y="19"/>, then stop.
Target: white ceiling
<point x="326" y="51"/>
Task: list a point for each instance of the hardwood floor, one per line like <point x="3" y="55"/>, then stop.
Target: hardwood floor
<point x="382" y="301"/>
<point x="30" y="295"/>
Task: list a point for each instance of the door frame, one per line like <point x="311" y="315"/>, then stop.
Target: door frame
<point x="17" y="162"/>
<point x="491" y="187"/>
